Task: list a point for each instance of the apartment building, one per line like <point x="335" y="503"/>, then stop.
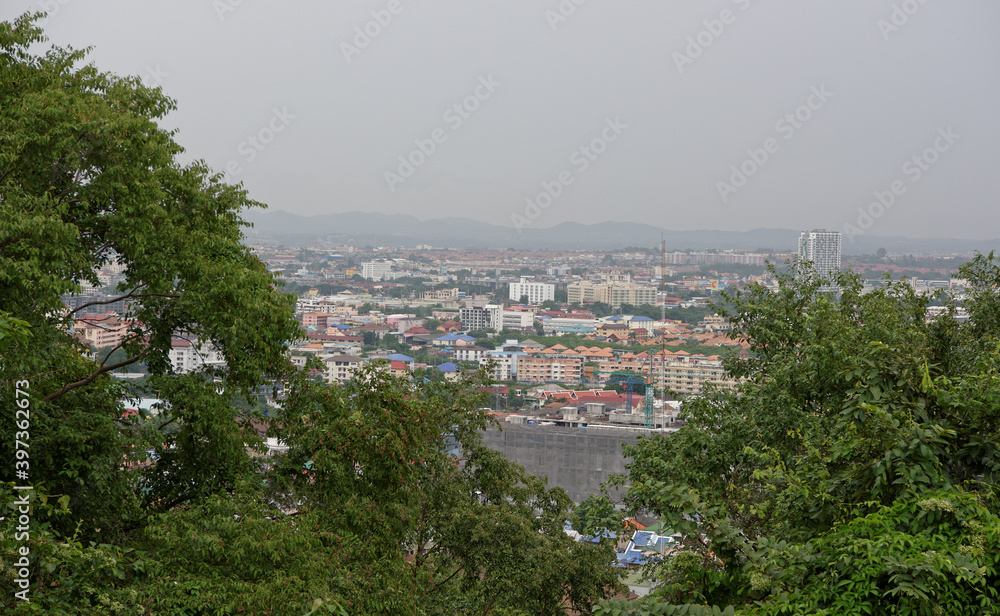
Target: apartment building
<point x="100" y="330"/>
<point x="688" y="374"/>
<point x="566" y="369"/>
<point x="536" y="292"/>
<point x="341" y="368"/>
<point x="823" y="248"/>
<point x="192" y="355"/>
<point x="377" y="269"/>
<point x="611" y="292"/>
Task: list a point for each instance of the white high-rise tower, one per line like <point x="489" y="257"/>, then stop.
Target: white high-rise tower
<point x="822" y="247"/>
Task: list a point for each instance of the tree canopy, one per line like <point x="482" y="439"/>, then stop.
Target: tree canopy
<point x="856" y="469"/>
<point x="385" y="500"/>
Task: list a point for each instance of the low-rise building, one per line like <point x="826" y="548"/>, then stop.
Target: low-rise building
<point x="341" y="368"/>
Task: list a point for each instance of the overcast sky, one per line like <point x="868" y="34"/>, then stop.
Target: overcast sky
<point x="638" y="110"/>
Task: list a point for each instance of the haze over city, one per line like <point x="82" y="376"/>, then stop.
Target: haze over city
<point x="728" y="115"/>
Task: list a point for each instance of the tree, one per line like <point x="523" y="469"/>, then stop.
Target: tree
<point x="169" y="513"/>
<point x="97" y="182"/>
<point x="852" y="472"/>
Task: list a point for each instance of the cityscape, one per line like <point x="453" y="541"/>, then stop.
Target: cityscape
<point x="499" y="309"/>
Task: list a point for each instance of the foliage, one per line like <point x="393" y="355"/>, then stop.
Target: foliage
<point x="856" y="469"/>
<point x="176" y="511"/>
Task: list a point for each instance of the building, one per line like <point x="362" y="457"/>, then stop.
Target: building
<point x="340" y="368"/>
<point x="190" y="355"/>
<point x="442" y="295"/>
<point x="471" y="354"/>
<point x="489" y="316"/>
<point x="101" y="330"/>
<point x="506" y="358"/>
<point x="613" y="292"/>
<point x="376" y="270"/>
<point x="685" y="374"/>
<point x="474" y="319"/>
<point x="536" y="292"/>
<point x="566" y="369"/>
<point x="582" y="292"/>
<point x="822" y="248"/>
<point x="317" y="320"/>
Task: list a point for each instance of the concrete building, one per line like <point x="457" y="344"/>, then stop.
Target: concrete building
<point x="612" y="292"/>
<point x="536" y="292"/>
<point x="100" y="330"/>
<point x="582" y="292"/>
<point x="340" y="368"/>
<point x="376" y="270"/>
<point x="191" y="355"/>
<point x="567" y="369"/>
<point x="823" y="249"/>
<point x="507" y="358"/>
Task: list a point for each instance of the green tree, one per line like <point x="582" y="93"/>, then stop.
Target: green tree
<point x="858" y="422"/>
<point x="98" y="182"/>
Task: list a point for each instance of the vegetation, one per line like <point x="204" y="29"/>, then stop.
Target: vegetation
<point x="386" y="502"/>
<point x="856" y="472"/>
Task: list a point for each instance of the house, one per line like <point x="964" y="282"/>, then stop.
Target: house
<point x="470" y="353"/>
<point x="340" y="368"/>
<point x="451" y="371"/>
<point x="454" y="340"/>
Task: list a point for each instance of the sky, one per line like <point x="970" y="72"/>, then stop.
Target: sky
<point x="863" y="116"/>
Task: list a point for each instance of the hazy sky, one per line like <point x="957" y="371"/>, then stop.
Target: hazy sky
<point x="634" y="110"/>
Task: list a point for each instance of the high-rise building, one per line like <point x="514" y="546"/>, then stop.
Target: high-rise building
<point x="376" y="270"/>
<point x="822" y="247"/>
<point x="536" y="292"/>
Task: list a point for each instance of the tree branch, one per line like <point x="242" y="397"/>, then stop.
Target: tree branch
<point x="89" y="379"/>
<point x="97" y="303"/>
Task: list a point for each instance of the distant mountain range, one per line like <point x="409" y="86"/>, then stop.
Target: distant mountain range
<point x="363" y="228"/>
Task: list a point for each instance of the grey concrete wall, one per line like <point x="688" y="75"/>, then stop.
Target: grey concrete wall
<point x="577" y="460"/>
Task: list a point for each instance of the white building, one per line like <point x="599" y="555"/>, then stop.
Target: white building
<point x="188" y="356"/>
<point x="489" y="316"/>
<point x="536" y="292"/>
<point x="376" y="270"/>
<point x="823" y="248"/>
<point x="340" y="368"/>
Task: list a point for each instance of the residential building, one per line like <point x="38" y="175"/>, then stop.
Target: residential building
<point x="442" y="295"/>
<point x="566" y="369"/>
<point x="536" y="292"/>
<point x="506" y="358"/>
<point x="582" y="292"/>
<point x="318" y="320"/>
<point x="687" y="374"/>
<point x="340" y="368"/>
<point x="191" y="355"/>
<point x="100" y="330"/>
<point x="470" y="353"/>
<point x="823" y="249"/>
<point x="376" y="270"/>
